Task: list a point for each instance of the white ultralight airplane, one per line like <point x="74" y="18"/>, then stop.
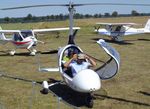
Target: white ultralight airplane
<point x="25" y="39"/>
<point x="117" y="30"/>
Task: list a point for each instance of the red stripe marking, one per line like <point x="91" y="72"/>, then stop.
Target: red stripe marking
<point x="20" y="43"/>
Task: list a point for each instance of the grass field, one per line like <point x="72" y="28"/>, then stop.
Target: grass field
<point x="129" y="89"/>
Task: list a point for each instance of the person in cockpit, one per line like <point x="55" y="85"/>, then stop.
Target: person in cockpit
<point x="79" y="62"/>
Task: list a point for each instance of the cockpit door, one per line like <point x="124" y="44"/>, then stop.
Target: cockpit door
<point x="17" y="37"/>
<point x="111" y="67"/>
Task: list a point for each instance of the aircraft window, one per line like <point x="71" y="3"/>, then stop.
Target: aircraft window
<point x="69" y="53"/>
<point x="118" y="28"/>
<point x="17" y="37"/>
<point x="26" y="34"/>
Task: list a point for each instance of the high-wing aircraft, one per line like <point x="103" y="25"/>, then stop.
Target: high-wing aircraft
<point x="25" y="39"/>
<point x="87" y="80"/>
<point x="117" y="30"/>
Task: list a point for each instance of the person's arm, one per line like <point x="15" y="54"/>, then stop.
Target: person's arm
<point x="68" y="62"/>
<point x="93" y="63"/>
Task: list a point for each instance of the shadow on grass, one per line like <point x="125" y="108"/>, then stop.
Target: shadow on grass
<point x="49" y="52"/>
<point x="78" y="99"/>
<point x="124" y="42"/>
<point x="144" y="93"/>
<point x="123" y="100"/>
<point x="69" y="96"/>
<point x="5" y="53"/>
<point x="144" y="39"/>
<point x="115" y="42"/>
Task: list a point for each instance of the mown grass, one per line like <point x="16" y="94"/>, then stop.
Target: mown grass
<point x="123" y="91"/>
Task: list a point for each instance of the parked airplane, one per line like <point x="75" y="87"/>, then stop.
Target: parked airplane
<point x="117" y="30"/>
<point x="25" y="39"/>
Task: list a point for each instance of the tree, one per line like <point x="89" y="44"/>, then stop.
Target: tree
<point x="29" y="17"/>
<point x="134" y="13"/>
<point x="6" y="19"/>
<point x="96" y="15"/>
<point x="77" y="16"/>
<point x="114" y="14"/>
<point x="107" y="15"/>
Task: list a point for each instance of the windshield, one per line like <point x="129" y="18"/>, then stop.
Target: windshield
<point x="26" y="34"/>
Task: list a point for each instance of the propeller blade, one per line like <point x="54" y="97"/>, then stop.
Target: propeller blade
<point x="72" y="5"/>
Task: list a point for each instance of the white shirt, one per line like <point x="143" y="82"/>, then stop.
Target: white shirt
<point x="75" y="68"/>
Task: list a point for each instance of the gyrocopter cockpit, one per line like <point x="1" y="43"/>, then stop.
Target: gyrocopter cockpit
<point x="68" y="53"/>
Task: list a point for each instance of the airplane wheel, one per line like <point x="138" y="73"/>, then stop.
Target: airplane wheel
<point x="12" y="53"/>
<point x="44" y="91"/>
<point x="32" y="53"/>
<point x="89" y="102"/>
<point x="34" y="50"/>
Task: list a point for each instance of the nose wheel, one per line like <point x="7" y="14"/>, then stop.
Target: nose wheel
<point x="89" y="101"/>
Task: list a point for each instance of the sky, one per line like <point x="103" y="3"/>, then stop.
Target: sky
<point x="58" y="10"/>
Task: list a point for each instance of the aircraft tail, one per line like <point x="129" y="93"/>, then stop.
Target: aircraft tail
<point x="147" y="26"/>
<point x="2" y="36"/>
<point x="3" y="39"/>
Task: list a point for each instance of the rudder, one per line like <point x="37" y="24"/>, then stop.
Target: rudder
<point x="147" y="26"/>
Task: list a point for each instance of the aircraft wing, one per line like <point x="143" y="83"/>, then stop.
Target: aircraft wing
<point x="117" y="24"/>
<point x="3" y="38"/>
<point x="9" y="31"/>
<point x="53" y="29"/>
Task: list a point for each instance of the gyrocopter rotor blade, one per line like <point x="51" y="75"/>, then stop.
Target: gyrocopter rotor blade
<point x="72" y="5"/>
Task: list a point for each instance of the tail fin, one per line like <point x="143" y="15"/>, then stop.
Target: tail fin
<point x="2" y="36"/>
<point x="147" y="26"/>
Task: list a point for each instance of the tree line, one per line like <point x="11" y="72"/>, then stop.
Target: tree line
<point x="31" y="18"/>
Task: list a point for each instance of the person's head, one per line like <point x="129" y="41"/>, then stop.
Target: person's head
<point x="72" y="52"/>
<point x="80" y="58"/>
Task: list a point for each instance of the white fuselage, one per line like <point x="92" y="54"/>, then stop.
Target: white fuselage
<point x="85" y="81"/>
<point x="24" y="43"/>
<point x="124" y="32"/>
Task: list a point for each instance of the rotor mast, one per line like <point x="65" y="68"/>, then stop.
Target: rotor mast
<point x="71" y="13"/>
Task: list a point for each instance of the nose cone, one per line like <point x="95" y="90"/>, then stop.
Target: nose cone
<point x="86" y="81"/>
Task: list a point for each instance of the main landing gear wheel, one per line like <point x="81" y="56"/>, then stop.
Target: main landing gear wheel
<point x="89" y="101"/>
<point x="44" y="91"/>
<point x="32" y="53"/>
<point x="12" y="52"/>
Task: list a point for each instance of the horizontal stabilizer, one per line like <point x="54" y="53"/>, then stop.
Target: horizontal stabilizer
<point x="117" y="24"/>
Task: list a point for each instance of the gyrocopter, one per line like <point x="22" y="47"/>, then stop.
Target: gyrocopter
<point x="87" y="80"/>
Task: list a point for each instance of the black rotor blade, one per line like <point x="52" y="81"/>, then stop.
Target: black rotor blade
<point x="72" y="5"/>
<point x="33" y="6"/>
